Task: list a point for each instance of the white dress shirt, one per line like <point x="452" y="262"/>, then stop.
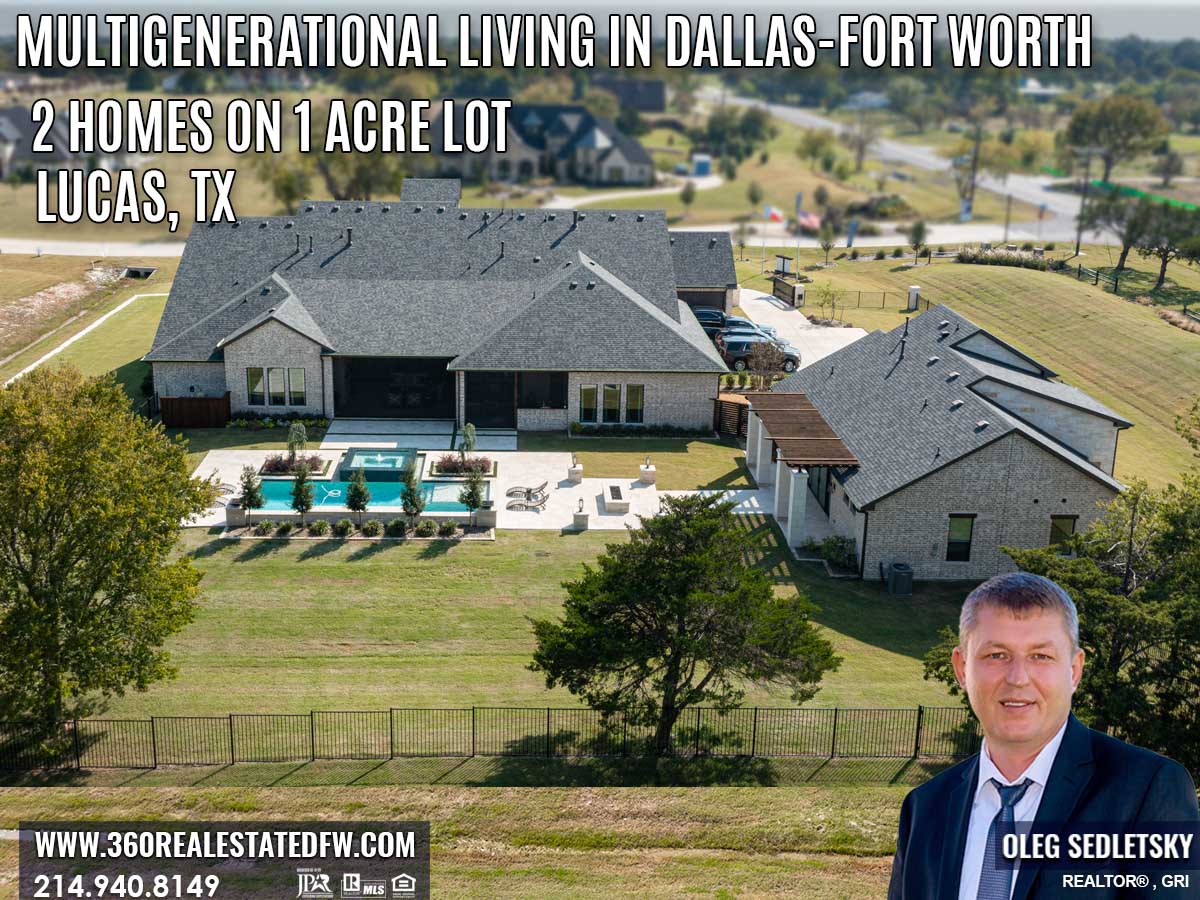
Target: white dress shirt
<point x="987" y="804"/>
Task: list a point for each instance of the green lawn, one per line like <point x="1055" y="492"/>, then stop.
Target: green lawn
<point x="1118" y="351"/>
<point x="682" y="464"/>
<point x="818" y="841"/>
<point x="289" y="627"/>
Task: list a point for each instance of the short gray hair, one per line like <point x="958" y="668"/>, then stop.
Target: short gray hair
<point x="1019" y="593"/>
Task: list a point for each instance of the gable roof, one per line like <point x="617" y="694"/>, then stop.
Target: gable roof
<point x="904" y="405"/>
<point x="419" y="279"/>
<point x="703" y="259"/>
<point x="1051" y="390"/>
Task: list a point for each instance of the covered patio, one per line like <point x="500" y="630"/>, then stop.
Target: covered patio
<point x="786" y="438"/>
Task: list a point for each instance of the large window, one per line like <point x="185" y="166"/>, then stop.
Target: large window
<point x="587" y="403"/>
<point x="542" y="390"/>
<point x="1061" y="529"/>
<point x="277" y="395"/>
<point x="635" y="403"/>
<point x="255" y="388"/>
<point x="958" y="542"/>
<point x="296" y="395"/>
<point x="612" y="404"/>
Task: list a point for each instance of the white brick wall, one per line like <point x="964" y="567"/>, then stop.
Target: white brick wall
<point x="677" y="399"/>
<point x="1012" y="486"/>
<point x="542" y="419"/>
<point x="273" y="344"/>
<point x="177" y="379"/>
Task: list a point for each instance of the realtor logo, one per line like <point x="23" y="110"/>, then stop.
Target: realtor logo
<point x="314" y="886"/>
<point x="404" y="886"/>
<point x="355" y="887"/>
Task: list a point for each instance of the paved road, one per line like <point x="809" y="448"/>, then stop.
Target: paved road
<point x="130" y="249"/>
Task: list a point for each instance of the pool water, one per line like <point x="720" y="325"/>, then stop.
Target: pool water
<point x="378" y="465"/>
<point x="440" y="496"/>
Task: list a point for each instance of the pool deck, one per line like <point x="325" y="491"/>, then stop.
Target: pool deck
<point x="516" y="469"/>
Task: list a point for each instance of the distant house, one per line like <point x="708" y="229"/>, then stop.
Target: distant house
<point x="566" y="143"/>
<point x="865" y="101"/>
<point x="530" y="319"/>
<point x="17" y="131"/>
<point x="934" y="444"/>
<point x="704" y="270"/>
<point x="647" y="95"/>
<point x="1038" y="92"/>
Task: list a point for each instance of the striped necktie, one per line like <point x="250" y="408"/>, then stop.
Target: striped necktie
<point x="995" y="880"/>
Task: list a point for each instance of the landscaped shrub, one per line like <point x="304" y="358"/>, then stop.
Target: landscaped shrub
<point x="264" y="528"/>
<point x="840" y="551"/>
<point x="854" y="253"/>
<point x="279" y="464"/>
<point x="1050" y="245"/>
<point x="447" y="528"/>
<point x="426" y="528"/>
<point x="898" y="253"/>
<point x="582" y="430"/>
<point x="343" y="527"/>
<point x="284" y="529"/>
<point x="255" y="421"/>
<point x="881" y="253"/>
<point x="318" y="527"/>
<point x="454" y="464"/>
<point x="1002" y="258"/>
<point x="372" y="528"/>
<point x="1027" y="246"/>
<point x="397" y="528"/>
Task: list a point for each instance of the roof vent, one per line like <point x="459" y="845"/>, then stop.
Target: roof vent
<point x="521" y="216"/>
<point x="387" y="209"/>
<point x="641" y="217"/>
<point x="612" y="217"/>
<point x="981" y="424"/>
<point x="574" y="284"/>
<point x="951" y="376"/>
<point x="262" y="224"/>
<point x="288" y="224"/>
<point x="591" y="284"/>
<point x="308" y="208"/>
<point x="945" y="323"/>
<point x="552" y="216"/>
<point x="672" y="239"/>
<point x="462" y="215"/>
<point x="236" y="224"/>
<point x="418" y="209"/>
<point x="441" y="209"/>
<point x="334" y="208"/>
<point x="582" y="216"/>
<point x="933" y="359"/>
<point x="955" y="404"/>
<point x="537" y="259"/>
<point x="358" y="209"/>
<point x="712" y="242"/>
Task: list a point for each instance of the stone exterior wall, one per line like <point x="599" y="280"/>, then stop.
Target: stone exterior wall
<point x="986" y="347"/>
<point x="681" y="400"/>
<point x="842" y="516"/>
<point x="177" y="379"/>
<point x="1012" y="486"/>
<point x="1092" y="435"/>
<point x="273" y="344"/>
<point x="542" y="419"/>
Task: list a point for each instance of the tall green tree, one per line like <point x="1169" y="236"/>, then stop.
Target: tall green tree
<point x="676" y="617"/>
<point x="687" y="196"/>
<point x="1121" y="126"/>
<point x="411" y="496"/>
<point x="251" y="490"/>
<point x="92" y="498"/>
<point x="1127" y="218"/>
<point x="815" y="143"/>
<point x="302" y="491"/>
<point x="918" y="234"/>
<point x="1167" y="232"/>
<point x="1134" y="574"/>
<point x="358" y="495"/>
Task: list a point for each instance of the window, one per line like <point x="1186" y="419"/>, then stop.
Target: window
<point x="276" y="394"/>
<point x="587" y="403"/>
<point x="635" y="403"/>
<point x="612" y="404"/>
<point x="255" y="388"/>
<point x="542" y="390"/>
<point x="1061" y="528"/>
<point x="295" y="387"/>
<point x="958" y="543"/>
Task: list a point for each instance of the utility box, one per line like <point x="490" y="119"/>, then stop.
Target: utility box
<point x="900" y="580"/>
<point x="914" y="298"/>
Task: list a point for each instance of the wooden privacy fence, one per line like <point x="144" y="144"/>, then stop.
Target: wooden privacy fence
<point x="944" y="732"/>
<point x="194" y="412"/>
<point x="731" y="415"/>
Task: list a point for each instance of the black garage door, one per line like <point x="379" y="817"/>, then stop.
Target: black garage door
<point x="695" y="297"/>
<point x="390" y="388"/>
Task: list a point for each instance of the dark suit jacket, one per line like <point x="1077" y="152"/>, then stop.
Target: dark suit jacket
<point x="1095" y="778"/>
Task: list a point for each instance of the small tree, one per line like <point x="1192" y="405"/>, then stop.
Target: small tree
<point x="742" y="235"/>
<point x="1167" y="166"/>
<point x="754" y="193"/>
<point x="1169" y="228"/>
<point x="765" y="360"/>
<point x="1128" y="219"/>
<point x="676" y="617"/>
<point x="358" y="495"/>
<point x="297" y="441"/>
<point x="252" y="495"/>
<point x="1122" y="126"/>
<point x="814" y="144"/>
<point x="826" y="239"/>
<point x="302" y="491"/>
<point x="687" y="196"/>
<point x="467" y="445"/>
<point x="471" y="495"/>
<point x="918" y="233"/>
<point x="821" y="196"/>
<point x="411" y="497"/>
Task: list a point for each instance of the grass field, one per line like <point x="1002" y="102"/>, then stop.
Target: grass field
<point x="1118" y="351"/>
<point x="818" y="842"/>
<point x="294" y="626"/>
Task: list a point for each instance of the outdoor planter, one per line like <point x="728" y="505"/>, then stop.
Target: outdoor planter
<point x="649" y="474"/>
<point x="575" y="473"/>
<point x="235" y="516"/>
<point x="580" y="521"/>
<point x="485" y="516"/>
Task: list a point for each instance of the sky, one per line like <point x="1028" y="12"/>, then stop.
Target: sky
<point x="1160" y="20"/>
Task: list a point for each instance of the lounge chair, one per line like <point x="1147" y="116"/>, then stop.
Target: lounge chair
<point x="528" y="505"/>
<point x="527" y="493"/>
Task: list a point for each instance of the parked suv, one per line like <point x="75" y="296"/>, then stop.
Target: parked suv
<point x="739" y="322"/>
<point x="709" y="317"/>
<point x="736" y="352"/>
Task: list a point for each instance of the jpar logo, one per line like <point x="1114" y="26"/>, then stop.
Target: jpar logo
<point x="314" y="885"/>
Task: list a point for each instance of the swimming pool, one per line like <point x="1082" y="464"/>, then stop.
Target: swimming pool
<point x="376" y="464"/>
<point x="440" y="496"/>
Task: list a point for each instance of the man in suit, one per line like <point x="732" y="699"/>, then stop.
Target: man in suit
<point x="1019" y="661"/>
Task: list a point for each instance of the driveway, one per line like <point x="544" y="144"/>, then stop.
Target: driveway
<point x="814" y="341"/>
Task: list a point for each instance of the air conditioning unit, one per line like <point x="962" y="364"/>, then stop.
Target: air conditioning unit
<point x="900" y="579"/>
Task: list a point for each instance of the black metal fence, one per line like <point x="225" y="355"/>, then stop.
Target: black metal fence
<point x="946" y="732"/>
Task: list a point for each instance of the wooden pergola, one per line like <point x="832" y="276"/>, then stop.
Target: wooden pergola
<point x="801" y="435"/>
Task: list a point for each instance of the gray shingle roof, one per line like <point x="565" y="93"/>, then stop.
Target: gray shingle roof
<point x="431" y="190"/>
<point x="420" y="279"/>
<point x="703" y="259"/>
<point x="906" y="414"/>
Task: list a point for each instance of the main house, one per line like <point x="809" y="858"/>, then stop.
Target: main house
<point x="566" y="143"/>
<point x="935" y="445"/>
<point x="419" y="309"/>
